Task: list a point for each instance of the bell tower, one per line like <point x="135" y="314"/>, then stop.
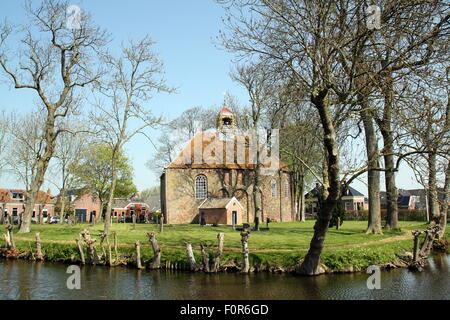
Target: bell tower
<point x="226" y="120"/>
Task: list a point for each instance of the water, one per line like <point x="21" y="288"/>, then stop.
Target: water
<point x="47" y="281"/>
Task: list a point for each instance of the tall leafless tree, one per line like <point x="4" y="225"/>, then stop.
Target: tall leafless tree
<point x="55" y="62"/>
<point x="121" y="112"/>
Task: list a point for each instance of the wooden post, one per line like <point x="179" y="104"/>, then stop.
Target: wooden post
<point x="39" y="256"/>
<point x="137" y="244"/>
<point x="220" y="238"/>
<point x="102" y="239"/>
<point x="115" y="248"/>
<point x="191" y="257"/>
<point x="91" y="252"/>
<point x="161" y="226"/>
<point x="9" y="237"/>
<point x="431" y="234"/>
<point x="134" y="221"/>
<point x="244" y="240"/>
<point x="416" y="235"/>
<point x="80" y="250"/>
<point x="155" y="263"/>
<point x="110" y="262"/>
<point x="205" y="258"/>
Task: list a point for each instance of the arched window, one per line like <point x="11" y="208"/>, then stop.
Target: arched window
<point x="286" y="189"/>
<point x="201" y="187"/>
<point x="274" y="189"/>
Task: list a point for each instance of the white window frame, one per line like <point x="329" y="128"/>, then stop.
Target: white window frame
<point x="201" y="187"/>
<point x="274" y="189"/>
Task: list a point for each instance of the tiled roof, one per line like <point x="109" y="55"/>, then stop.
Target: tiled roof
<point x="351" y="192"/>
<point x="211" y="141"/>
<point x="6" y="196"/>
<point x="226" y="112"/>
<point x="121" y="203"/>
<point x="217" y="203"/>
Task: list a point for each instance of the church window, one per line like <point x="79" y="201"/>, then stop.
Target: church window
<point x="274" y="189"/>
<point x="201" y="188"/>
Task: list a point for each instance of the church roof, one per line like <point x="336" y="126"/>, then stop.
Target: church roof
<point x="215" y="154"/>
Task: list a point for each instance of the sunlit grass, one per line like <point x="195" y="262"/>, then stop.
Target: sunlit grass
<point x="287" y="236"/>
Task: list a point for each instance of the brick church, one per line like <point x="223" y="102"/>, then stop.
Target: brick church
<point x="220" y="164"/>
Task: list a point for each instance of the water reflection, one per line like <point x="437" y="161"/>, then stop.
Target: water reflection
<point x="43" y="281"/>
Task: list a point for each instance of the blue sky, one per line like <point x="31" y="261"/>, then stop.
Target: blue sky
<point x="184" y="32"/>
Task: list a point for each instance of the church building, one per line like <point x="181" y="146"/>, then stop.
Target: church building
<point x="218" y="167"/>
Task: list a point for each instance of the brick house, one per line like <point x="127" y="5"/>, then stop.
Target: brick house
<point x="124" y="208"/>
<point x="85" y="206"/>
<point x="224" y="168"/>
<point x="223" y="211"/>
<point x="12" y="202"/>
<point x="352" y="199"/>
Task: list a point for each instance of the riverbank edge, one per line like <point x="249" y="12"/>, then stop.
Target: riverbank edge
<point x="387" y="256"/>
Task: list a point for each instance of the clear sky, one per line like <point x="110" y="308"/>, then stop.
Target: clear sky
<point x="184" y="32"/>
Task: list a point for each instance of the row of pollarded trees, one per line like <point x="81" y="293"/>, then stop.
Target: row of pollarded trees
<point x="59" y="65"/>
<point x="326" y="57"/>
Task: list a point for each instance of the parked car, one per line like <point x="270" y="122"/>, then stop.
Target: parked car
<point x="54" y="219"/>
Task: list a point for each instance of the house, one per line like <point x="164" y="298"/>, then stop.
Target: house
<point x="123" y="209"/>
<point x="405" y="200"/>
<point x="12" y="202"/>
<point x="352" y="199"/>
<point x="86" y="206"/>
<point x="221" y="163"/>
<point x="224" y="211"/>
<point x="154" y="203"/>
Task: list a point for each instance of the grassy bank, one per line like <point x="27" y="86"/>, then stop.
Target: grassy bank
<point x="280" y="248"/>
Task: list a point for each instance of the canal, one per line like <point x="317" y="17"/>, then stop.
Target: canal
<point x="47" y="281"/>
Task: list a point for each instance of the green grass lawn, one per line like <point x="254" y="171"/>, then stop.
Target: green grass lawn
<point x="291" y="236"/>
<point x="286" y="243"/>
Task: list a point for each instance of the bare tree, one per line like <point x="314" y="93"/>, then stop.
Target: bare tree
<point x="260" y="87"/>
<point x="54" y="62"/>
<point x="133" y="78"/>
<point x="4" y="130"/>
<point x="69" y="150"/>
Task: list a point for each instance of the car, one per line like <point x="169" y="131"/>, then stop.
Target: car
<point x="54" y="219"/>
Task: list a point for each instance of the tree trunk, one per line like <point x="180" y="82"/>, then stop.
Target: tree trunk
<point x="432" y="188"/>
<point x="446" y="199"/>
<point x="301" y="210"/>
<point x="110" y="261"/>
<point x="63" y="206"/>
<point x="373" y="176"/>
<point x="91" y="252"/>
<point x="116" y="252"/>
<point x="138" y="254"/>
<point x="257" y="197"/>
<point x="246" y="263"/>
<point x="41" y="169"/>
<point x="385" y="126"/>
<point x="205" y="258"/>
<point x="2" y="215"/>
<point x="191" y="257"/>
<point x="220" y="239"/>
<point x="39" y="256"/>
<point x="80" y="250"/>
<point x="9" y="237"/>
<point x="111" y="194"/>
<point x="311" y="263"/>
<point x="156" y="260"/>
<point x="391" y="194"/>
